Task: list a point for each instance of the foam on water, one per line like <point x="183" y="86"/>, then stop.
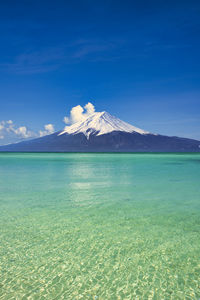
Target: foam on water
<point x="99" y="226"/>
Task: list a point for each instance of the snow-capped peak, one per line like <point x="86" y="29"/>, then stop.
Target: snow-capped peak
<point x="100" y="123"/>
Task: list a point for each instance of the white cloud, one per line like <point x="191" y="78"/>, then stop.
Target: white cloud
<point x="49" y="128"/>
<point x="9" y="133"/>
<point x="79" y="113"/>
<point x="76" y="114"/>
<point x="90" y="109"/>
<point x="66" y="120"/>
<point x="23" y="132"/>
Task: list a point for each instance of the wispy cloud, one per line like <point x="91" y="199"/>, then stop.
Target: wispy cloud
<point x="160" y="45"/>
<point x="91" y="48"/>
<point x="35" y="62"/>
<point x="52" y="58"/>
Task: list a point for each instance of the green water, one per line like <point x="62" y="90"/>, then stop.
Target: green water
<point x="99" y="226"/>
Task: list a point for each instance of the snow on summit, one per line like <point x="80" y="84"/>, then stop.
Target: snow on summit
<point x="100" y="123"/>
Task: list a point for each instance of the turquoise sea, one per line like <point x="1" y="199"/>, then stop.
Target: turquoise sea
<point x="99" y="226"/>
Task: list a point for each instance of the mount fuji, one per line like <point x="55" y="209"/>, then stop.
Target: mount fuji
<point x="100" y="123"/>
<point x="102" y="132"/>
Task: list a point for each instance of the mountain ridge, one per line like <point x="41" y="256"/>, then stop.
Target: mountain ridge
<point x="101" y="123"/>
<point x="102" y="132"/>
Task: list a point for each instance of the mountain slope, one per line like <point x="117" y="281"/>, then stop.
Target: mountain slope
<point x="101" y="123"/>
<point x="101" y="132"/>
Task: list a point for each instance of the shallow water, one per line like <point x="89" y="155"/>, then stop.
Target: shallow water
<point x="99" y="226"/>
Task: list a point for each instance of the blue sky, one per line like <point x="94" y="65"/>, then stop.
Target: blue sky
<point x="138" y="60"/>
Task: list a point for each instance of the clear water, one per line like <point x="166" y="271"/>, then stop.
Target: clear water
<point x="99" y="226"/>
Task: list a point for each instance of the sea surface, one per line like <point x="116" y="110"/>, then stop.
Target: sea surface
<point x="99" y="226"/>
